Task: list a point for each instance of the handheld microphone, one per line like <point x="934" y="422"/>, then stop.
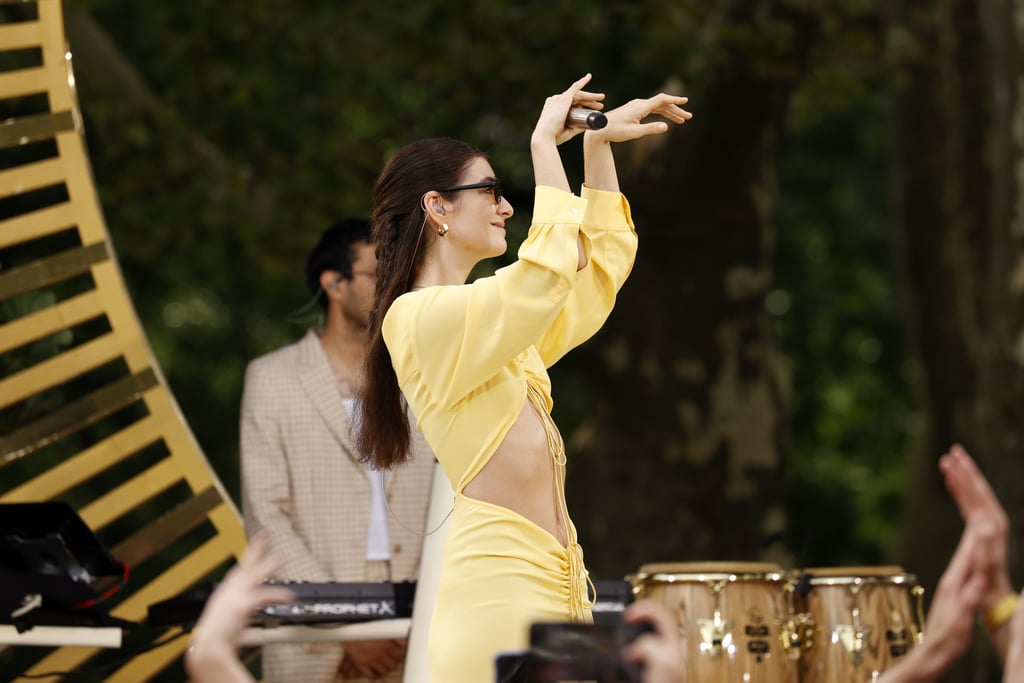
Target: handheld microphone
<point x="581" y="117"/>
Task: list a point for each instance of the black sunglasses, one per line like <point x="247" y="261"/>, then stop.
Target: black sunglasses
<point x="493" y="185"/>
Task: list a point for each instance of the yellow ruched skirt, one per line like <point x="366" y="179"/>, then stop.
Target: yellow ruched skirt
<point x="500" y="574"/>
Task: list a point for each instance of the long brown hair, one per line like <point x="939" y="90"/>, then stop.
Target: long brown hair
<point x="401" y="237"/>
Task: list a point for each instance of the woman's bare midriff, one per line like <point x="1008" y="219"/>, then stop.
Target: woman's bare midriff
<point x="521" y="476"/>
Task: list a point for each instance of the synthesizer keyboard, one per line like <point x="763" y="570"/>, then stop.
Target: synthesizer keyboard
<point x="330" y="602"/>
<point x="346" y="603"/>
<point x="339" y="603"/>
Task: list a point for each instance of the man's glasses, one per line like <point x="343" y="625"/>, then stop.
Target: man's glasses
<point x="493" y="185"/>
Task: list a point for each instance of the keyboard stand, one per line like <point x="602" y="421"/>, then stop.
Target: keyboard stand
<point x="380" y="629"/>
<point x="62" y="636"/>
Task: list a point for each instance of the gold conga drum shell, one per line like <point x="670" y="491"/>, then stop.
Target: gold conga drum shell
<point x="862" y="621"/>
<point x="732" y="618"/>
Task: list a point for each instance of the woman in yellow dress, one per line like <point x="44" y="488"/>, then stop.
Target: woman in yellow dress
<point x="471" y="362"/>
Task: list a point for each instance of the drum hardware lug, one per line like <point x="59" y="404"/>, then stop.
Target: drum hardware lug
<point x="854" y="639"/>
<point x="798" y="630"/>
<point x="898" y="634"/>
<point x="716" y="634"/>
<point x="918" y="592"/>
<point x="798" y="634"/>
<point x="854" y="636"/>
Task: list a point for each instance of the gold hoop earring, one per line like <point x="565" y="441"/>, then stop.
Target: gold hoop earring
<point x="442" y="230"/>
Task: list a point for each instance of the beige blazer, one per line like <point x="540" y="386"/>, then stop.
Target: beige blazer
<point x="303" y="483"/>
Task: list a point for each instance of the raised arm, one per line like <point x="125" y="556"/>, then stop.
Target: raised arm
<point x="976" y="580"/>
<point x="626" y="123"/>
<point x="608" y="241"/>
<point x="947" y="631"/>
<point x="460" y="336"/>
<point x="979" y="505"/>
<point x="612" y="244"/>
<point x="1013" y="666"/>
<point x="549" y="132"/>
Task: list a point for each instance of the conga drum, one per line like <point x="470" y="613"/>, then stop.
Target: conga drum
<point x="858" y="622"/>
<point x="732" y="618"/>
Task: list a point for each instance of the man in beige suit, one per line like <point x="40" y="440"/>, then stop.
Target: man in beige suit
<point x="329" y="517"/>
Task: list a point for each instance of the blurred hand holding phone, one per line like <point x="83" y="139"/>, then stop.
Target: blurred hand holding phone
<point x="565" y="651"/>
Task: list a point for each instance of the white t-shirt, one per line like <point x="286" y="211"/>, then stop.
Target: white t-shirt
<point x="378" y="545"/>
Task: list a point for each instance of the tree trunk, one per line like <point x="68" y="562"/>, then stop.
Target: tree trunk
<point x="680" y="456"/>
<point x="962" y="165"/>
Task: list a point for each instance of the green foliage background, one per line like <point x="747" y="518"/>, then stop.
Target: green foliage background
<point x="225" y="135"/>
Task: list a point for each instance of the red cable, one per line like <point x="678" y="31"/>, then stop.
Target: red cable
<point x="108" y="593"/>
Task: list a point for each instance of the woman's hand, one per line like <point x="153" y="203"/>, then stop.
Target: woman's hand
<point x="947" y="631"/>
<point x="551" y="123"/>
<point x="625" y="122"/>
<point x="371" y="658"/>
<point x="979" y="505"/>
<point x="550" y="132"/>
<point x="228" y="611"/>
<point x="212" y="655"/>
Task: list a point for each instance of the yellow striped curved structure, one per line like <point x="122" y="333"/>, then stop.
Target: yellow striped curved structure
<point x="85" y="413"/>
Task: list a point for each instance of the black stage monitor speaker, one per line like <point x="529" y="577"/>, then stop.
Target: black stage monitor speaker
<point x="49" y="559"/>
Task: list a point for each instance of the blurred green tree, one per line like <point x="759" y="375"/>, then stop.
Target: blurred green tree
<point x="783" y="346"/>
<point x="959" y="110"/>
<point x="225" y="136"/>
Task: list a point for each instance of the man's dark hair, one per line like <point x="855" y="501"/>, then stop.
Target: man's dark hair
<point x="335" y="251"/>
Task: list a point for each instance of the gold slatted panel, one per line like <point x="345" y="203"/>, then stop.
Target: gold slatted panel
<point x="102" y="430"/>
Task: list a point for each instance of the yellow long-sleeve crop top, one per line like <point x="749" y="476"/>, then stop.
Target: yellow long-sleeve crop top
<point x="464" y="353"/>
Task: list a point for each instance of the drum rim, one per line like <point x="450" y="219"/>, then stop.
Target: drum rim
<point x="855" y="570"/>
<point x="703" y="572"/>
<point x="856" y="580"/>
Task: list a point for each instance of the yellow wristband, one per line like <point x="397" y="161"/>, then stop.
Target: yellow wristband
<point x="1001" y="611"/>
